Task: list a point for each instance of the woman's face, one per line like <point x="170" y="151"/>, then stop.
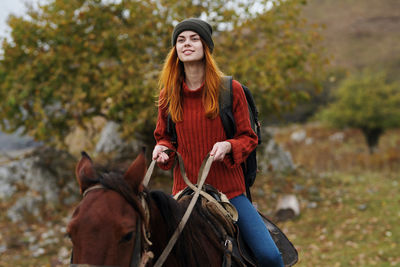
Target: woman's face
<point x="189" y="47"/>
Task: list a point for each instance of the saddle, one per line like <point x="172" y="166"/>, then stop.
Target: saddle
<point x="222" y="217"/>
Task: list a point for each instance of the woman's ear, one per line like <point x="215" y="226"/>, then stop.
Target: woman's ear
<point x="84" y="172"/>
<point x="136" y="172"/>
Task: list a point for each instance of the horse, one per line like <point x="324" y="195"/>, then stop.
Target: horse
<point x="119" y="222"/>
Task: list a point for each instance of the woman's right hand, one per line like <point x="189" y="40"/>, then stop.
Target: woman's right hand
<point x="159" y="155"/>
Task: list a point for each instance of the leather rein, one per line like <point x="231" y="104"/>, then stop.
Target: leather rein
<point x="202" y="176"/>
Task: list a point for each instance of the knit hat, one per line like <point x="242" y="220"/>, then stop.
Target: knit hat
<point x="197" y="25"/>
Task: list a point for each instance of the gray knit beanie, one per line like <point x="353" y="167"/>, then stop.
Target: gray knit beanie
<point x="197" y="25"/>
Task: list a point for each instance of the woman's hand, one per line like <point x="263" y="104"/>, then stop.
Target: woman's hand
<point x="159" y="155"/>
<point x="220" y="149"/>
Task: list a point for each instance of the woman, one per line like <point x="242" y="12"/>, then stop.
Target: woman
<point x="189" y="91"/>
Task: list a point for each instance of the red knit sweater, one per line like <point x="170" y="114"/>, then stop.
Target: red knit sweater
<point x="197" y="134"/>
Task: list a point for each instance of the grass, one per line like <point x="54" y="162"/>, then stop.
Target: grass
<point x="349" y="205"/>
<point x="349" y="198"/>
<point x="354" y="221"/>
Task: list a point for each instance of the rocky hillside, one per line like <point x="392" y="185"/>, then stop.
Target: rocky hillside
<point x="359" y="33"/>
<point x="14" y="142"/>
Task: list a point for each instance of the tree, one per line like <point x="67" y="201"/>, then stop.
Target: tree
<point x="367" y="101"/>
<point x="71" y="61"/>
<point x="273" y="53"/>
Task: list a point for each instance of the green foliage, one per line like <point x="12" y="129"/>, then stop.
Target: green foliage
<point x="276" y="55"/>
<point x="367" y="101"/>
<point x="71" y="61"/>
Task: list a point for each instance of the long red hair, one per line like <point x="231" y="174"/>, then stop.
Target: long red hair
<point x="170" y="85"/>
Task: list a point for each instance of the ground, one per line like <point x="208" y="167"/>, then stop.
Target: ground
<point x="349" y="204"/>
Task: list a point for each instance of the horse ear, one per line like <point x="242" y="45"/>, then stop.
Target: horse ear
<point x="136" y="172"/>
<point x="84" y="172"/>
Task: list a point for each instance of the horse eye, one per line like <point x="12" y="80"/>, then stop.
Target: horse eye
<point x="127" y="237"/>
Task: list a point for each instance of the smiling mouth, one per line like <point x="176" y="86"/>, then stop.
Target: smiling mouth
<point x="188" y="52"/>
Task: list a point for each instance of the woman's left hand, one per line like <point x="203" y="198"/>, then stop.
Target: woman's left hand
<point x="220" y="149"/>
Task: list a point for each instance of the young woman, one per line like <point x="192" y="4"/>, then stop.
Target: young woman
<point x="189" y="91"/>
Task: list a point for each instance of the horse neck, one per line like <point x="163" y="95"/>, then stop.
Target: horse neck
<point x="165" y="213"/>
<point x="198" y="242"/>
<point x="160" y="208"/>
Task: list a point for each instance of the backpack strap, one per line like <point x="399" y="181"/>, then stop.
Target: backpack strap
<point x="225" y="107"/>
<point x="253" y="112"/>
<point x="171" y="130"/>
<point x="228" y="122"/>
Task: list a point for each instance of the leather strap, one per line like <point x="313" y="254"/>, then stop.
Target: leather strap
<point x="136" y="257"/>
<point x="97" y="186"/>
<point x="203" y="173"/>
<point x="149" y="172"/>
<point x="227" y="206"/>
<point x="228" y="253"/>
<point x="227" y="209"/>
<point x="232" y="212"/>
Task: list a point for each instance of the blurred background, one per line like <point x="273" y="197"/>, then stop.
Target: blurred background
<point x="82" y="75"/>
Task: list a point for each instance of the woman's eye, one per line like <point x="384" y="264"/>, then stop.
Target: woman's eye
<point x="181" y="40"/>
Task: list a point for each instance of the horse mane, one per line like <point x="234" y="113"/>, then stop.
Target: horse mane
<point x="196" y="229"/>
<point x="169" y="209"/>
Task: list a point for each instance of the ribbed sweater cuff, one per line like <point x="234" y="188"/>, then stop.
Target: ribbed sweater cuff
<point x="235" y="158"/>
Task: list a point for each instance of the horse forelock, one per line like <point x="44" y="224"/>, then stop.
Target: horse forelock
<point x="115" y="181"/>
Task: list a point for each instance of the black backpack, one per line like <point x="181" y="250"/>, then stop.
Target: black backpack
<point x="228" y="121"/>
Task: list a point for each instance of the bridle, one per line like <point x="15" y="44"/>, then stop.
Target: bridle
<point x="140" y="256"/>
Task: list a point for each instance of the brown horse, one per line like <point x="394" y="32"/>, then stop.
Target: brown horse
<point x="118" y="220"/>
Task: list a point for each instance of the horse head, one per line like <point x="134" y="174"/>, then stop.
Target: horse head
<point x="106" y="227"/>
<point x="112" y="224"/>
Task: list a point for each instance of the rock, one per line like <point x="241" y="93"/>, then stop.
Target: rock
<point x="38" y="252"/>
<point x="337" y="137"/>
<point x="48" y="234"/>
<point x="298" y="187"/>
<point x="309" y="141"/>
<point x="111" y="144"/>
<point x="362" y="207"/>
<point x="298" y="136"/>
<point x="313" y="190"/>
<point x="64" y="255"/>
<point x="27" y="205"/>
<point x="110" y="140"/>
<point x="274" y="158"/>
<point x="312" y="205"/>
<point x="6" y="189"/>
<point x="11" y="142"/>
<point x="44" y="178"/>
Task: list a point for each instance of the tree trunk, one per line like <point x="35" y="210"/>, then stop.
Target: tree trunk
<point x="287" y="208"/>
<point x="372" y="136"/>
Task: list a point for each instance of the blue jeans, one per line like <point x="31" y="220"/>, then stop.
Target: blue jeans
<point x="256" y="234"/>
